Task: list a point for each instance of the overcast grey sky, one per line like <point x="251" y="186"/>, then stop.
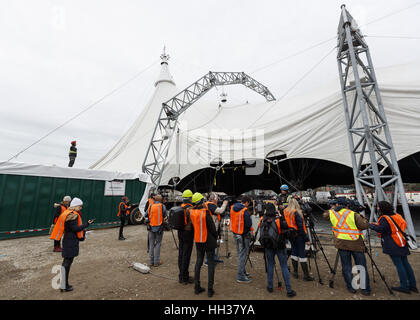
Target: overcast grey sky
<point x="58" y="57"/>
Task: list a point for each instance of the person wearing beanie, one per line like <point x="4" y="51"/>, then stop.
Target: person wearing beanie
<point x="390" y="227"/>
<point x="59" y="209"/>
<point x="279" y="225"/>
<point x="347" y="227"/>
<point x="70" y="226"/>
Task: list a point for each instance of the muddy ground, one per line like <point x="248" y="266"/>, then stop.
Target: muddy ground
<point x="102" y="271"/>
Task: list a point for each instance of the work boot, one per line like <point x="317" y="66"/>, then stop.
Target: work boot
<point x="307" y="276"/>
<point x="67" y="289"/>
<point x="414" y="289"/>
<point x="57" y="249"/>
<point x="400" y="289"/>
<point x="121" y="238"/>
<point x="210" y="292"/>
<point x="198" y="289"/>
<point x="295" y="269"/>
<point x="291" y="294"/>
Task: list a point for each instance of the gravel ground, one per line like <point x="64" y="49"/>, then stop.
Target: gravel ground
<point x="102" y="271"/>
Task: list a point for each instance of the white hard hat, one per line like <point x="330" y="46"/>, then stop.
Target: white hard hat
<point x="76" y="202"/>
<point x="67" y="198"/>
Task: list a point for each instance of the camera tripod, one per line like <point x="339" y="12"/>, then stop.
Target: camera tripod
<point x="223" y="231"/>
<point x="315" y="245"/>
<point x="373" y="264"/>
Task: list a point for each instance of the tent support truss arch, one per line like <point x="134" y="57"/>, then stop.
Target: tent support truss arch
<point x="368" y="131"/>
<point x="159" y="145"/>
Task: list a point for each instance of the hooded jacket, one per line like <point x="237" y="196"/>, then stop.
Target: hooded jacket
<point x="247" y="217"/>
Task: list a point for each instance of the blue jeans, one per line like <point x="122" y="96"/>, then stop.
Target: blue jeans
<point x="359" y="259"/>
<point x="155" y="241"/>
<point x="405" y="272"/>
<point x="242" y="249"/>
<point x="270" y="258"/>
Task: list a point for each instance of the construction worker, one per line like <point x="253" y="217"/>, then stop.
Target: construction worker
<point x="59" y="209"/>
<point x="156" y="214"/>
<point x="205" y="237"/>
<point x="347" y="227"/>
<point x="215" y="212"/>
<point x="284" y="197"/>
<point x="69" y="224"/>
<point x="185" y="242"/>
<point x="123" y="213"/>
<point x="294" y="218"/>
<point x="72" y="153"/>
<point x="391" y="227"/>
<point x="240" y="225"/>
<point x="269" y="218"/>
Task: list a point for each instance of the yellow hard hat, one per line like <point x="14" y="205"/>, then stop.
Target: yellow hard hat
<point x="197" y="197"/>
<point x="187" y="193"/>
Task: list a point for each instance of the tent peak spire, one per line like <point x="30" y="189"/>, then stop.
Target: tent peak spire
<point x="164" y="56"/>
<point x="165" y="75"/>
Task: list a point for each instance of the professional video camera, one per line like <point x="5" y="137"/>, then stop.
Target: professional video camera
<point x="355" y="205"/>
<point x="306" y="210"/>
<point x="231" y="201"/>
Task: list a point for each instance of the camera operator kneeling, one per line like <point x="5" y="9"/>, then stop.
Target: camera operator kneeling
<point x="273" y="241"/>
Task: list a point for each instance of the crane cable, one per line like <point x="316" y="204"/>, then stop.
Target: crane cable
<point x="84" y="110"/>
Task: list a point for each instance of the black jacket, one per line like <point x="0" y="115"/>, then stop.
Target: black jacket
<point x="211" y="242"/>
<point x="74" y="153"/>
<point x="70" y="243"/>
<point x="388" y="244"/>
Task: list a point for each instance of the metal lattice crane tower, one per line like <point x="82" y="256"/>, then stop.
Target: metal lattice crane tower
<point x="373" y="156"/>
<point x="157" y="151"/>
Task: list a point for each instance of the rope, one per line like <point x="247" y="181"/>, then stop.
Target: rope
<point x="83" y="111"/>
<point x="294" y="85"/>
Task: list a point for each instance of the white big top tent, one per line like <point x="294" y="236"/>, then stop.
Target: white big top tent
<point x="305" y="126"/>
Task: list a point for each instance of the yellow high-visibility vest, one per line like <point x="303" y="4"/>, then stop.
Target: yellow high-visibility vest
<point x="344" y="224"/>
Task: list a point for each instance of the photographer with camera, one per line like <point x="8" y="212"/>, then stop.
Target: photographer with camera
<point x="240" y="225"/>
<point x="347" y="227"/>
<point x="294" y="217"/>
<point x="273" y="232"/>
<point x="154" y="219"/>
<point x="391" y="229"/>
<point x="215" y="213"/>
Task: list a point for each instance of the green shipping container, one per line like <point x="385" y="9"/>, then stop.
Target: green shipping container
<point x="28" y="193"/>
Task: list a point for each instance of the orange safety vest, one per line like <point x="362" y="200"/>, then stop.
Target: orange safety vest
<point x="127" y="212"/>
<point x="396" y="235"/>
<point x="155" y="214"/>
<point x="207" y="207"/>
<point x="185" y="206"/>
<point x="63" y="208"/>
<point x="237" y="221"/>
<point x="291" y="219"/>
<point x="58" y="230"/>
<point x="198" y="219"/>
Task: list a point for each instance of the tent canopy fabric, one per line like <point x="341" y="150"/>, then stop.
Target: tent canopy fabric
<point x="310" y="126"/>
<point x="24" y="169"/>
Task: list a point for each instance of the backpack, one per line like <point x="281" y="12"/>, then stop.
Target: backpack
<point x="176" y="218"/>
<point x="269" y="236"/>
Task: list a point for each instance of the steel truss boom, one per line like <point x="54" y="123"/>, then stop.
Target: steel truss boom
<point x="157" y="151"/>
<point x="373" y="155"/>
